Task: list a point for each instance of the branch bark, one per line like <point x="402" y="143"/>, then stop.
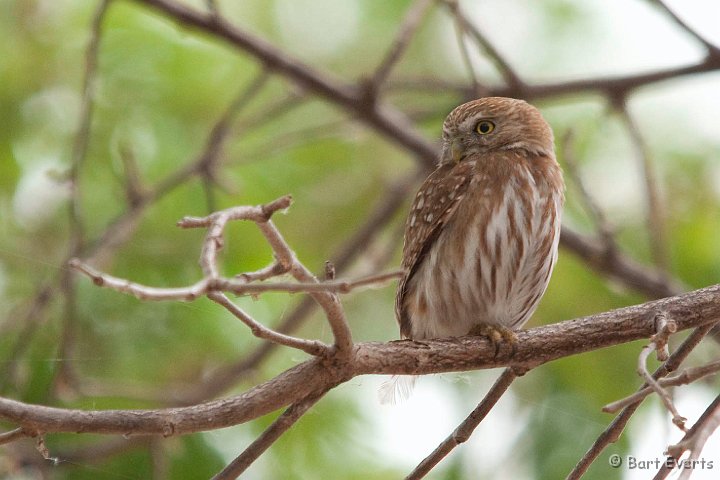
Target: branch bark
<point x="534" y="347"/>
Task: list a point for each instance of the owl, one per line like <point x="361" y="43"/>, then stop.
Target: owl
<point x="481" y="239"/>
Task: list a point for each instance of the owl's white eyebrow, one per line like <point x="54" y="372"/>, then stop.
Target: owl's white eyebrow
<point x="469" y="123"/>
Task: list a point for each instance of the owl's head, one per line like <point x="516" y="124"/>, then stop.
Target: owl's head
<point x="495" y="123"/>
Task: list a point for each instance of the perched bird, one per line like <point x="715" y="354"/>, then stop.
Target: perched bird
<point x="482" y="235"/>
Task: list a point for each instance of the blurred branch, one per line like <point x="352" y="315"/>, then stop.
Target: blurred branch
<point x="711" y="48"/>
<point x="207" y="161"/>
<point x="121" y="228"/>
<point x="389" y="122"/>
<point x="269" y="436"/>
<point x="64" y="375"/>
<point x="512" y="79"/>
<point x="478" y="90"/>
<point x="463" y="432"/>
<point x="610" y="86"/>
<point x="30" y="322"/>
<point x="612" y="433"/>
<point x="619" y="267"/>
<point x="604" y="229"/>
<point x="655" y="207"/>
<point x="82" y="138"/>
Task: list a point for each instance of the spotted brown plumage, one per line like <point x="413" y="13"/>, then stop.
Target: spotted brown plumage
<point x="482" y="235"/>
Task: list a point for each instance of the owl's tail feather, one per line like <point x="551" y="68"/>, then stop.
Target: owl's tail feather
<point x="397" y="389"/>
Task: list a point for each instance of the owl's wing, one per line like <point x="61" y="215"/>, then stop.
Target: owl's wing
<point x="434" y="205"/>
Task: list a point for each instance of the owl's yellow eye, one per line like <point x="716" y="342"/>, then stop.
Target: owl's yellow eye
<point x="484" y="127"/>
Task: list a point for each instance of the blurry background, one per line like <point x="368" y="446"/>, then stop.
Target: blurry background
<point x="165" y="98"/>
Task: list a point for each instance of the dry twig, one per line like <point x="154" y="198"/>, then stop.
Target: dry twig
<point x="693" y="441"/>
<point x="685" y="377"/>
<point x="658" y="343"/>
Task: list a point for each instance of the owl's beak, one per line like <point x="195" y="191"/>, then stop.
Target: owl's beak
<point x="457" y="149"/>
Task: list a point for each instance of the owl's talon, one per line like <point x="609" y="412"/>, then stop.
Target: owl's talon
<point x="497" y="334"/>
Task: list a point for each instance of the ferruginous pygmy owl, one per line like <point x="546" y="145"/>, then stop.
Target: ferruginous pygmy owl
<point x="482" y="236"/>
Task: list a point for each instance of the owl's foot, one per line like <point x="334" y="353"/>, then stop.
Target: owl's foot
<point x="497" y="334"/>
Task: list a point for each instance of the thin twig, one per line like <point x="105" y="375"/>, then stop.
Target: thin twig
<point x="12" y="435"/>
<point x="694" y="440"/>
<point x="616" y="427"/>
<point x="685" y="377"/>
<point x="511" y="77"/>
<point x="462" y="433"/>
<point x="268" y="437"/>
<point x="238" y="286"/>
<point x="312" y="347"/>
<point x="328" y="300"/>
<point x="646" y="351"/>
<point x="465" y="53"/>
<point x="259" y="213"/>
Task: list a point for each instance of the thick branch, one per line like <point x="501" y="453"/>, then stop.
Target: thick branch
<point x="534" y="347"/>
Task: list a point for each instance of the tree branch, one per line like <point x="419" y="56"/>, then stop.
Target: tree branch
<point x="685" y="377"/>
<point x="613" y="431"/>
<point x="694" y="440"/>
<point x="268" y="437"/>
<point x="387" y="121"/>
<point x="533" y="348"/>
<point x="467" y="427"/>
